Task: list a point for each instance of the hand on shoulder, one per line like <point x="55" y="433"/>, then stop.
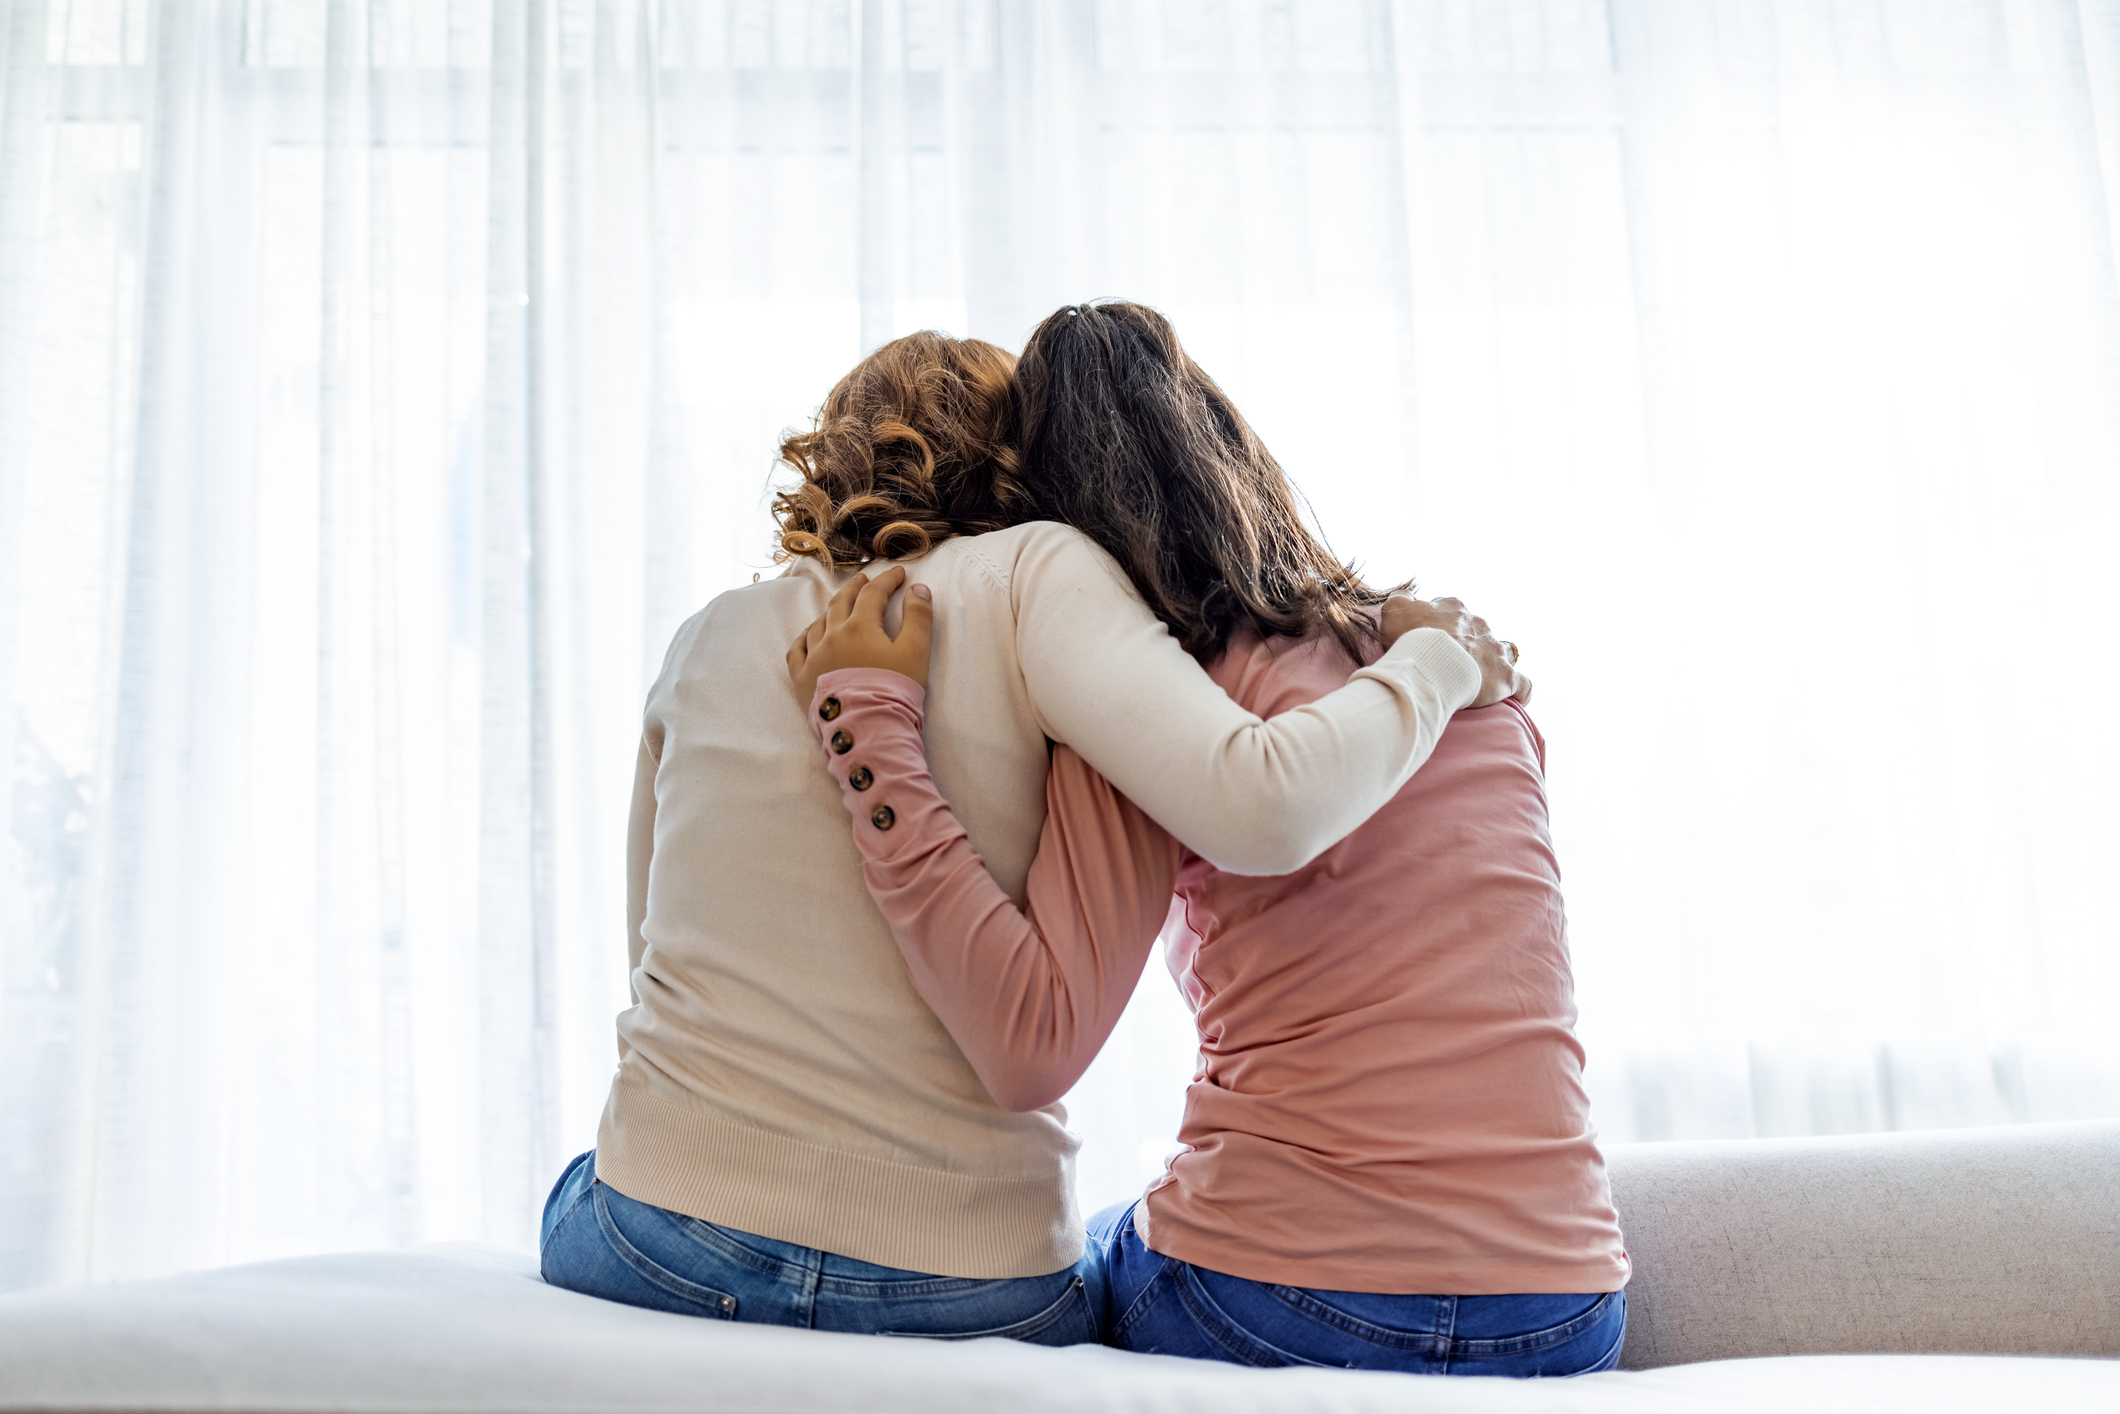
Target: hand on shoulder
<point x="1496" y="656"/>
<point x="850" y="633"/>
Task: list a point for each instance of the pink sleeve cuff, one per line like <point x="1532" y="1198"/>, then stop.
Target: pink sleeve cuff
<point x="877" y="682"/>
<point x="869" y="721"/>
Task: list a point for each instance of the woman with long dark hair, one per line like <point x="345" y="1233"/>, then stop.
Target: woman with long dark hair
<point x="792" y="1136"/>
<point x="1386" y="1161"/>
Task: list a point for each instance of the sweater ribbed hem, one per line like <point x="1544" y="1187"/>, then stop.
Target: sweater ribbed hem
<point x="873" y="1210"/>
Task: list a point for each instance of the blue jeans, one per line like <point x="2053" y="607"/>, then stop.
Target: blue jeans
<point x="1162" y="1306"/>
<point x="599" y="1242"/>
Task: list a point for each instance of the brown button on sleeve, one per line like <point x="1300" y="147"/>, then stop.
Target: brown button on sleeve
<point x="860" y="778"/>
<point x="842" y="743"/>
<point x="883" y="818"/>
<point x="829" y="709"/>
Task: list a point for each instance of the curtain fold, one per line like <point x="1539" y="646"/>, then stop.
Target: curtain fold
<point x="383" y="381"/>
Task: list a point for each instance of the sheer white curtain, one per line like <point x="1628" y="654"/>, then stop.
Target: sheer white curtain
<point x="382" y="382"/>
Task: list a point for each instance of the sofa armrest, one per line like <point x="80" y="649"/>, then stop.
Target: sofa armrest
<point x="1975" y="1241"/>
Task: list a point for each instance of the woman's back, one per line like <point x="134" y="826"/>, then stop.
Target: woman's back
<point x="1391" y="1094"/>
<point x="779" y="1074"/>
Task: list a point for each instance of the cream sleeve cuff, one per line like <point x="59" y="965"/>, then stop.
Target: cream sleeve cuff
<point x="1428" y="663"/>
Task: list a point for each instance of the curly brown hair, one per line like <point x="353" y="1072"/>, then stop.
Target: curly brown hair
<point x="910" y="448"/>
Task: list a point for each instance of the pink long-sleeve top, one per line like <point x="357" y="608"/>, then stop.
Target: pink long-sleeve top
<point x="1390" y="1091"/>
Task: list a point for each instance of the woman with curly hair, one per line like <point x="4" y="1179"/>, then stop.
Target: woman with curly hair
<point x="792" y="1136"/>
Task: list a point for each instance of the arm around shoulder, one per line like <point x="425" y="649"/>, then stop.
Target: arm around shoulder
<point x="1250" y="796"/>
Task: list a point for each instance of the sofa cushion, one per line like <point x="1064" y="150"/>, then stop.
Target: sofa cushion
<point x="474" y="1331"/>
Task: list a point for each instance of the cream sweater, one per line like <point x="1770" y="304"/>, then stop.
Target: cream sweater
<point x="778" y="1073"/>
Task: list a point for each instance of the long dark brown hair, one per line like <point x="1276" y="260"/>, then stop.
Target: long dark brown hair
<point x="910" y="448"/>
<point x="1125" y="438"/>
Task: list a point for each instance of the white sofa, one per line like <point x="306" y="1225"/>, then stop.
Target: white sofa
<point x="1888" y="1272"/>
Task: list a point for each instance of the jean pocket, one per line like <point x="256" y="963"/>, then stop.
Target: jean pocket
<point x="1575" y="1327"/>
<point x="707" y="1301"/>
<point x="1587" y="1345"/>
<point x="1237" y="1340"/>
<point x="1066" y="1322"/>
